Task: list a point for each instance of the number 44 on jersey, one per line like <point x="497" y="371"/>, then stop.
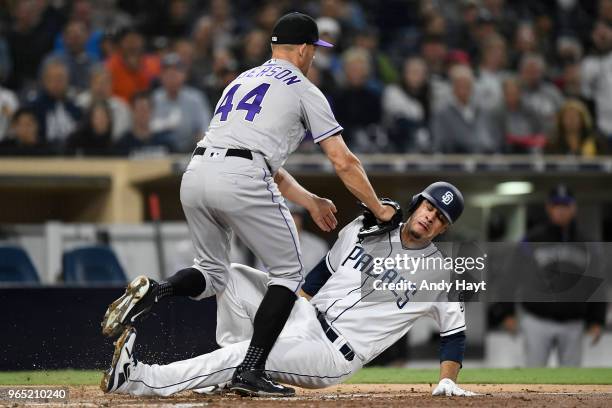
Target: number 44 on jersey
<point x="251" y="102"/>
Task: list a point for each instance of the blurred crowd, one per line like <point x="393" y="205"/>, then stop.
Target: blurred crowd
<point x="125" y="77"/>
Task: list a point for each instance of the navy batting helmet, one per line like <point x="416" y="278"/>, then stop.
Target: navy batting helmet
<point x="444" y="196"/>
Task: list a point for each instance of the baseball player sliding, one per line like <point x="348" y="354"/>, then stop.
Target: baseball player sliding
<point x="341" y="328"/>
<point x="235" y="183"/>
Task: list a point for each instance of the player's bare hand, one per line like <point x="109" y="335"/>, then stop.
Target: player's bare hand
<point x="386" y="213"/>
<point x="447" y="387"/>
<point x="594" y="333"/>
<point x="322" y="212"/>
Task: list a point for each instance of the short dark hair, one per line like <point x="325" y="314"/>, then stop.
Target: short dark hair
<point x="124" y="31"/>
<point x="140" y="95"/>
<point x="22" y="112"/>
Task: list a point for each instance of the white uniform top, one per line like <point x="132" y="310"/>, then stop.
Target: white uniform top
<point x="269" y="109"/>
<point x="370" y="324"/>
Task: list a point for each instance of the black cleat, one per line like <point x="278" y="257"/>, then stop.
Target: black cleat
<point x="257" y="383"/>
<point x="139" y="297"/>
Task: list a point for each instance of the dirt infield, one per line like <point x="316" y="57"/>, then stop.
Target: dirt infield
<point x="361" y="395"/>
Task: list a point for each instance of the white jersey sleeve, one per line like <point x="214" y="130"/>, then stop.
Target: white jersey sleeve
<point x="450" y="317"/>
<point x="318" y="116"/>
<point x="347" y="237"/>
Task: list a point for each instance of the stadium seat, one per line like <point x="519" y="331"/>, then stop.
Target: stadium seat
<point x="92" y="265"/>
<point x="16" y="266"/>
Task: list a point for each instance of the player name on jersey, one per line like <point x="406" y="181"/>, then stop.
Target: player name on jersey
<point x="271" y="70"/>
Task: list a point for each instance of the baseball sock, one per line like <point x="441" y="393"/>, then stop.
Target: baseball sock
<point x="186" y="282"/>
<point x="269" y="321"/>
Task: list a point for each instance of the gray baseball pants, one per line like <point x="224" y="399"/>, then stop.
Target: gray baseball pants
<point x="542" y="335"/>
<point x="223" y="194"/>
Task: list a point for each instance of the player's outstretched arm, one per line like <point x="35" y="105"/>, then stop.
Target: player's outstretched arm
<point x="451" y="356"/>
<point x="450" y="370"/>
<point x="321" y="209"/>
<point x="351" y="172"/>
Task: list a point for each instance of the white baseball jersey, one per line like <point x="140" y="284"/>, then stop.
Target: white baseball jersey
<point x="269" y="109"/>
<point x="371" y="322"/>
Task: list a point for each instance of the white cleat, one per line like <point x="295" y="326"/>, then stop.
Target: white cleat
<point x="123" y="361"/>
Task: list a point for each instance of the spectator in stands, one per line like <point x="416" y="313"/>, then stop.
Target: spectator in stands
<point x="515" y="125"/>
<point x="488" y="93"/>
<point x="224" y="71"/>
<point x="82" y="11"/>
<point x="6" y="64"/>
<point x="131" y="70"/>
<point x="140" y="139"/>
<point x="544" y="29"/>
<point x="75" y="55"/>
<point x="461" y="35"/>
<point x="100" y="89"/>
<point x="255" y="49"/>
<point x="485" y="28"/>
<point x="548" y="325"/>
<point x="435" y="53"/>
<point x="442" y="93"/>
<point x="30" y="39"/>
<point x="94" y="135"/>
<point x="357" y="106"/>
<point x="182" y="111"/>
<point x="22" y="139"/>
<point x="383" y="71"/>
<point x="504" y="13"/>
<point x="575" y="134"/>
<point x="597" y="77"/>
<point x="604" y="11"/>
<point x="8" y="106"/>
<point x="525" y="42"/>
<point x="202" y="38"/>
<point x="406" y="108"/>
<point x="568" y="50"/>
<point x="462" y="127"/>
<point x="434" y="23"/>
<point x="348" y="13"/>
<point x="56" y="112"/>
<point x="225" y="26"/>
<point x="569" y="55"/>
<point x="539" y="95"/>
<point x="175" y="20"/>
<point x="328" y="61"/>
<point x="570" y="81"/>
<point x="184" y="47"/>
<point x="268" y="15"/>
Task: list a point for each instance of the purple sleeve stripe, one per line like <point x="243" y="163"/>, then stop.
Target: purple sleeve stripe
<point x="328" y="132"/>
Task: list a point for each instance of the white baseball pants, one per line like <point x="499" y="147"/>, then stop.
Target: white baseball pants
<point x="302" y="355"/>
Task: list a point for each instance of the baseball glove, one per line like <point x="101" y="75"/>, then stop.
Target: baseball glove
<point x="372" y="226"/>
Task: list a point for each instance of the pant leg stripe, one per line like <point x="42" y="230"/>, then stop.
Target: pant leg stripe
<point x="290" y="232"/>
<point x="181" y="382"/>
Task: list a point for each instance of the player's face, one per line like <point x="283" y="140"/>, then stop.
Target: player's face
<point x="426" y="222"/>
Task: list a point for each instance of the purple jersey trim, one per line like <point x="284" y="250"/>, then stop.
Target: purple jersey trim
<point x="316" y="139"/>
